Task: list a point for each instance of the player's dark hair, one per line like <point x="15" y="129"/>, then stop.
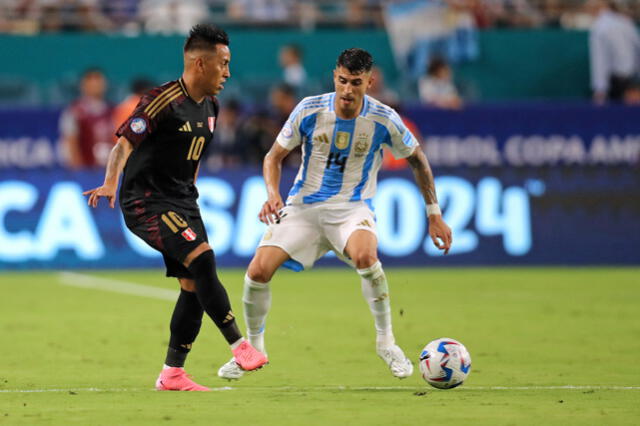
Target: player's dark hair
<point x="205" y="36"/>
<point x="356" y="60"/>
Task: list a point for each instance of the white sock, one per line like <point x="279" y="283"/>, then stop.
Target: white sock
<point x="257" y="301"/>
<point x="376" y="292"/>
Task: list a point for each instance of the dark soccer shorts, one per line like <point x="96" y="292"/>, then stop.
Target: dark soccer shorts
<point x="173" y="232"/>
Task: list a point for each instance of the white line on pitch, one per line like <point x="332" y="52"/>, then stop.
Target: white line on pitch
<point x="115" y="286"/>
<point x="225" y="388"/>
<point x="343" y="388"/>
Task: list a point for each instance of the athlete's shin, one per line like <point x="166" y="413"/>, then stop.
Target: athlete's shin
<point x="185" y="325"/>
<point x="213" y="296"/>
<point x="256" y="300"/>
<point x="376" y="292"/>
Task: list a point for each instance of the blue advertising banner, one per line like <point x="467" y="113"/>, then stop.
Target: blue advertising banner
<point x="498" y="216"/>
<point x="537" y="135"/>
<point x="519" y="184"/>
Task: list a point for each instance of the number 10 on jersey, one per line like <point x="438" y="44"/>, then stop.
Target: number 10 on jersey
<point x="195" y="150"/>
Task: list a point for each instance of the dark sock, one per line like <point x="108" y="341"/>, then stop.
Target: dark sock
<point x="213" y="296"/>
<point x="185" y="325"/>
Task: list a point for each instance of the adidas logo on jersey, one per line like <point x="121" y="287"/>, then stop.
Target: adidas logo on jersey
<point x="322" y="138"/>
<point x="186" y="127"/>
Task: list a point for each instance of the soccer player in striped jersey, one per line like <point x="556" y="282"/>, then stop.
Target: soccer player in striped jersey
<point x="159" y="148"/>
<point x="329" y="206"/>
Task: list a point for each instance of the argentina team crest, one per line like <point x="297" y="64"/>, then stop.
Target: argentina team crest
<point x="212" y="123"/>
<point x="342" y="140"/>
<point x="361" y="146"/>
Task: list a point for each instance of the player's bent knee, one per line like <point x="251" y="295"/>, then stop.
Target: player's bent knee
<point x="364" y="260"/>
<point x="203" y="247"/>
<point x="259" y="273"/>
<point x="261" y="269"/>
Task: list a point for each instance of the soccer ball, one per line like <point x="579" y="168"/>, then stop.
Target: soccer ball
<point x="445" y="363"/>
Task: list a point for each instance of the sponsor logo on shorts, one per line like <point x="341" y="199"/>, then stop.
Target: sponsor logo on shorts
<point x="365" y="223"/>
<point x="138" y="125"/>
<point x="267" y="235"/>
<point x="188" y="234"/>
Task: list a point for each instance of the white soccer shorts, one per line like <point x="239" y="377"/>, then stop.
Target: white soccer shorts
<point x="308" y="231"/>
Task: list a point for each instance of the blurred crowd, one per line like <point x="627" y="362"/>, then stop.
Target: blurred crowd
<point x="244" y="133"/>
<point x="177" y="16"/>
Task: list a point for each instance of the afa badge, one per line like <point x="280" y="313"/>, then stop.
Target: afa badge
<point x="361" y="145"/>
<point x="138" y="125"/>
<point x="342" y="140"/>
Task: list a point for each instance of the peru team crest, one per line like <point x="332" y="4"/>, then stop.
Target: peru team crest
<point x="212" y="123"/>
<point x="189" y="235"/>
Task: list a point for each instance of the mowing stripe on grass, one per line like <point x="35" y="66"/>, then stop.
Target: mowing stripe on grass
<point x="343" y="388"/>
<point x="115" y="286"/>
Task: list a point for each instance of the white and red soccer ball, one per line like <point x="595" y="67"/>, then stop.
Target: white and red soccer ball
<point x="445" y="363"/>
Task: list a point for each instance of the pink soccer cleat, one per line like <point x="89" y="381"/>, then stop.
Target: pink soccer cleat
<point x="248" y="357"/>
<point x="176" y="379"/>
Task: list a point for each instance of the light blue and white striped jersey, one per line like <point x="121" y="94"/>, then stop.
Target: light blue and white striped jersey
<point x="341" y="158"/>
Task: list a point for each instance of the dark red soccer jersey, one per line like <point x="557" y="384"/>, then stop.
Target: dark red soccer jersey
<point x="169" y="132"/>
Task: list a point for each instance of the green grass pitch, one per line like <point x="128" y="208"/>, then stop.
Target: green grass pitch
<point x="549" y="346"/>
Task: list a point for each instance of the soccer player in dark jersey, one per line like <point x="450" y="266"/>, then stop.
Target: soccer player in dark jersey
<point x="159" y="148"/>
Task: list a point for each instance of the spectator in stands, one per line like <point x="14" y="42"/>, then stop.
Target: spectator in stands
<point x="631" y="95"/>
<point x="283" y="100"/>
<point x="436" y="88"/>
<point x="172" y="16"/>
<point x="261" y="11"/>
<point x="19" y="16"/>
<point x="73" y="15"/>
<point x="261" y="128"/>
<point x="227" y="148"/>
<point x="124" y="109"/>
<point x="379" y="90"/>
<point x="614" y="47"/>
<point x="123" y="14"/>
<point x="290" y="58"/>
<point x="86" y="126"/>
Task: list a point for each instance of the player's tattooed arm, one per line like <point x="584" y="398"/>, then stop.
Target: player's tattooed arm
<point x="115" y="163"/>
<point x="423" y="175"/>
<point x="439" y="231"/>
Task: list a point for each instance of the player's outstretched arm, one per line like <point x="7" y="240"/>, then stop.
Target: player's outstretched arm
<point x="272" y="171"/>
<point x="117" y="159"/>
<point x="438" y="230"/>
